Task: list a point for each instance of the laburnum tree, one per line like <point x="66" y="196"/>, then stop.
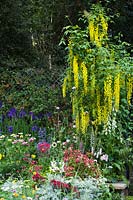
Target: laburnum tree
<point x="99" y="72"/>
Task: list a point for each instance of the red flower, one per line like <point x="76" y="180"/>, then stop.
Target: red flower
<point x="59" y="184"/>
<point x="43" y="147"/>
<point x="66" y="186"/>
<point x="37" y="177"/>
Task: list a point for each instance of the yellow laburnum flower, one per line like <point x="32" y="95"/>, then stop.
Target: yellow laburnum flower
<point x="108" y="93"/>
<point x="117" y="91"/>
<point x="85" y="76"/>
<point x="129" y="89"/>
<point x="83" y="121"/>
<point x="104" y="25"/>
<point x="99" y="117"/>
<point x="75" y="71"/>
<point x="91" y="30"/>
<point x="64" y="87"/>
<point x="0" y="156"/>
<point x="97" y="41"/>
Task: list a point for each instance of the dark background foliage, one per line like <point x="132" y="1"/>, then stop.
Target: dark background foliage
<point x="30" y="32"/>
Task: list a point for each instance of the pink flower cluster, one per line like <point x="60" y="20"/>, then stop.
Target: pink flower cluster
<point x="77" y="162"/>
<point x="65" y="186"/>
<point x="43" y="147"/>
<point x="59" y="184"/>
<point x="36" y="177"/>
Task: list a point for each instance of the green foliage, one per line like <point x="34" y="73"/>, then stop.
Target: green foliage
<point x="31" y="89"/>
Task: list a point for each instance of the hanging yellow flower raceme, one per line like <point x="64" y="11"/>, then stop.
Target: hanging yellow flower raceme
<point x="117" y="91"/>
<point x="105" y="113"/>
<point x="129" y="89"/>
<point x="85" y="77"/>
<point x="91" y="29"/>
<point x="107" y="97"/>
<point x="83" y="121"/>
<point x="64" y="87"/>
<point x="98" y="33"/>
<point x="87" y="119"/>
<point x="73" y="105"/>
<point x="104" y="25"/>
<point x="99" y="117"/>
<point x="108" y="92"/>
<point x="97" y="41"/>
<point x="75" y="71"/>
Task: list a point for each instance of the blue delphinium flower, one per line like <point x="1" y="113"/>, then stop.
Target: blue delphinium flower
<point x="1" y="104"/>
<point x="33" y="117"/>
<point x="42" y="134"/>
<point x="40" y="115"/>
<point x="22" y="113"/>
<point x="10" y="129"/>
<point x="34" y="128"/>
<point x="48" y="115"/>
<point x="12" y="113"/>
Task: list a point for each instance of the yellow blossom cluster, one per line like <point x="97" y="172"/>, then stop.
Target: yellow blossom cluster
<point x="85" y="77"/>
<point x="98" y="29"/>
<point x="75" y="72"/>
<point x="108" y="92"/>
<point x="129" y="88"/>
<point x="117" y="91"/>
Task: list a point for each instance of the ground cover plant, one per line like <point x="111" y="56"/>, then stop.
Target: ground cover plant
<point x="73" y="155"/>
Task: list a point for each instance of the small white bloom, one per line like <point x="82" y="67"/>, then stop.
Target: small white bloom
<point x="100" y="151"/>
<point x="20" y="133"/>
<point x="104" y="157"/>
<point x="73" y="88"/>
<point x="110" y="167"/>
<point x="54" y="144"/>
<point x="57" y="108"/>
<point x="67" y="140"/>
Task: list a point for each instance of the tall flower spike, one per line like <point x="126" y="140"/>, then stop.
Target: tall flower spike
<point x="75" y="71"/>
<point x="64" y="87"/>
<point x="99" y="118"/>
<point x="85" y="77"/>
<point x="117" y="91"/>
<point x="97" y="41"/>
<point x="83" y="121"/>
<point x="91" y="30"/>
<point x="129" y="89"/>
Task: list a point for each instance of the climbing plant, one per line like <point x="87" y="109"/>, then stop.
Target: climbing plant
<point x="99" y="72"/>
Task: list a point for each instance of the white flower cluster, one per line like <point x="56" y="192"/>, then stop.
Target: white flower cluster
<point x="111" y="126"/>
<point x="57" y="166"/>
